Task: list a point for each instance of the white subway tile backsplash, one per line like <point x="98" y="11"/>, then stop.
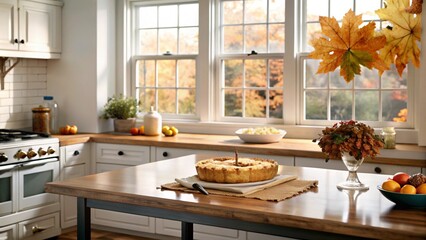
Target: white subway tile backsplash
<point x="25" y="86"/>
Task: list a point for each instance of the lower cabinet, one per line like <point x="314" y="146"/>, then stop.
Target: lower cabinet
<point x="167" y="153"/>
<point x="9" y="232"/>
<point x="110" y="157"/>
<point x="75" y="162"/>
<point x="40" y="228"/>
<point x="364" y="168"/>
<point x="172" y="228"/>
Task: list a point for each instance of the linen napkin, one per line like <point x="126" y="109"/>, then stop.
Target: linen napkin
<point x="241" y="188"/>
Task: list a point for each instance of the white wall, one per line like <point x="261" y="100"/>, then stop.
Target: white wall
<point x="25" y="86"/>
<point x="83" y="78"/>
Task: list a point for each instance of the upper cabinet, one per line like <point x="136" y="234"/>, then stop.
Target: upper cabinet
<point x="30" y="28"/>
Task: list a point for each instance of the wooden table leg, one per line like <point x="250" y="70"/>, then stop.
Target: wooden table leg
<point x="187" y="231"/>
<point x="83" y="219"/>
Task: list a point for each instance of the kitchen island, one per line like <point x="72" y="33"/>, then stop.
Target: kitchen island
<point x="321" y="213"/>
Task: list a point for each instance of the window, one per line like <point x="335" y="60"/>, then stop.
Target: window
<point x="165" y="57"/>
<point x="370" y="97"/>
<point x="251" y="59"/>
<point x="255" y="55"/>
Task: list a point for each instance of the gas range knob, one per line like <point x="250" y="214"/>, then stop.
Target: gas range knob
<point x="31" y="153"/>
<point x="50" y="150"/>
<point x="20" y="155"/>
<point x="41" y="152"/>
<point x="3" y="158"/>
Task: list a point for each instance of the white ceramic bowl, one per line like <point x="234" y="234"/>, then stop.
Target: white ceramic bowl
<point x="260" y="138"/>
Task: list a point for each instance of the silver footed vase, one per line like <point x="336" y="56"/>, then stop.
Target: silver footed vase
<point x="352" y="181"/>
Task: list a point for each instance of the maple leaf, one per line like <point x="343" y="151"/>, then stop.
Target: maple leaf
<point x="348" y="46"/>
<point x="401" y="39"/>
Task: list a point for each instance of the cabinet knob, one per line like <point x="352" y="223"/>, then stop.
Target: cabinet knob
<point x="76" y="153"/>
<point x="120" y="153"/>
<point x="16" y="40"/>
<point x="377" y="170"/>
<point x="31" y="153"/>
<point x="22" y="41"/>
<point x="165" y="154"/>
<point x="3" y="158"/>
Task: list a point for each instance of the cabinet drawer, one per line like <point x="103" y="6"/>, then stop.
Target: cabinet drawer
<point x="40" y="228"/>
<point x="168" y="153"/>
<point x="173" y="228"/>
<point x="122" y="154"/>
<point x="8" y="232"/>
<point x="77" y="154"/>
<point x="364" y="168"/>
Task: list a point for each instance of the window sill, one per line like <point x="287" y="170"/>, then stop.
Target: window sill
<point x="405" y="136"/>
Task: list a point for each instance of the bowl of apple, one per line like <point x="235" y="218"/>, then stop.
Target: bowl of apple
<point x="260" y="134"/>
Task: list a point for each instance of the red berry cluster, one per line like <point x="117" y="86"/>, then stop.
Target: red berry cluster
<point x="353" y="137"/>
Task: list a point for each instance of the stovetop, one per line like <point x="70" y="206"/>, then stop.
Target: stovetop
<point x="14" y="135"/>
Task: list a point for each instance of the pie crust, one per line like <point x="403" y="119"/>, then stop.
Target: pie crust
<point x="224" y="170"/>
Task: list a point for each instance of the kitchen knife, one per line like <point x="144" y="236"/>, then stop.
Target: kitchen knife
<point x="200" y="188"/>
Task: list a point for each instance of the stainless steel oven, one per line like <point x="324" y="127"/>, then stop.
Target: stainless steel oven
<point x="27" y="162"/>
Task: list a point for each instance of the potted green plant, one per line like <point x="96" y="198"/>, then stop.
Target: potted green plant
<point x="123" y="110"/>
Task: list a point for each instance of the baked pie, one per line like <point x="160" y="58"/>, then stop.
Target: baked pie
<point x="228" y="170"/>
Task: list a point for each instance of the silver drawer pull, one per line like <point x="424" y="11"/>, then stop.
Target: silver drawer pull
<point x="37" y="229"/>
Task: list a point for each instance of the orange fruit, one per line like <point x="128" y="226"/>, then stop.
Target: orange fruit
<point x="142" y="130"/>
<point x="391" y="185"/>
<point x="134" y="131"/>
<point x="421" y="189"/>
<point x="408" y="189"/>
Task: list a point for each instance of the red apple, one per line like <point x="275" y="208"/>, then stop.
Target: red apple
<point x="401" y="178"/>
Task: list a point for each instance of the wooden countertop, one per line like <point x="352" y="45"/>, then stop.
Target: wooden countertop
<point x="410" y="155"/>
<point x="325" y="209"/>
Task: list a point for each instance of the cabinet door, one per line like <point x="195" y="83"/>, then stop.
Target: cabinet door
<point x="364" y="168"/>
<point x="167" y="153"/>
<point x="8" y="24"/>
<point x="77" y="154"/>
<point x="116" y="219"/>
<point x="9" y="232"/>
<point x="258" y="236"/>
<point x="40" y="27"/>
<point x="69" y="204"/>
<point x="172" y="228"/>
<point x="122" y="154"/>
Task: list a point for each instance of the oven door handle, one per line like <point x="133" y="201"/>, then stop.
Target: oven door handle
<point x="38" y="162"/>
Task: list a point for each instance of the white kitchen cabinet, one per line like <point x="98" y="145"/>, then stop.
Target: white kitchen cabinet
<point x="40" y="228"/>
<point x="75" y="162"/>
<point x="167" y="153"/>
<point x="30" y="28"/>
<point x="9" y="232"/>
<point x="172" y="228"/>
<point x="258" y="236"/>
<point x="115" y="156"/>
<point x="364" y="168"/>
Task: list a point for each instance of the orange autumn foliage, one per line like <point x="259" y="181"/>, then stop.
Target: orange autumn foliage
<point x="348" y="46"/>
<point x="402" y="37"/>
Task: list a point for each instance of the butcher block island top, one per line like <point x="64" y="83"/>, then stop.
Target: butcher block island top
<point x="405" y="154"/>
<point x="322" y="213"/>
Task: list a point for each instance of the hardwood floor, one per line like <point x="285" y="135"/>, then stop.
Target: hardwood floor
<point x="101" y="235"/>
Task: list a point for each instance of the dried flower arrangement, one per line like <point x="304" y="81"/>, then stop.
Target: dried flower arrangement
<point x="358" y="139"/>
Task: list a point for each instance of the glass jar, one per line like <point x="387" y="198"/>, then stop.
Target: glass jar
<point x="389" y="135"/>
<point x="41" y="120"/>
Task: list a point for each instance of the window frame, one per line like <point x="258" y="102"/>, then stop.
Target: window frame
<point x="208" y="88"/>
